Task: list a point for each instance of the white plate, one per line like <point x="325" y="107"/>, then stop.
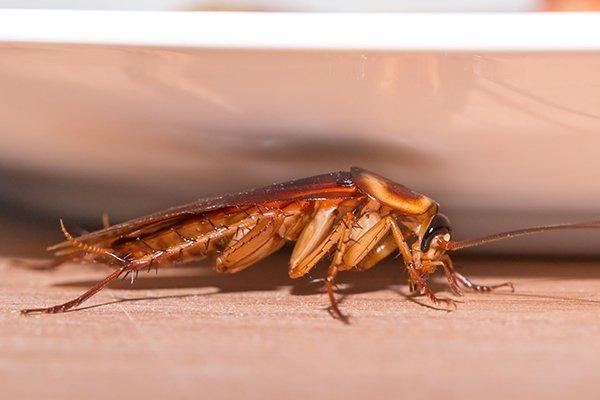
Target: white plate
<point x="496" y="116"/>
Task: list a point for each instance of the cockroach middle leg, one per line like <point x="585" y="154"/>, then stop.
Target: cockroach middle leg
<point x="338" y="259"/>
<point x="371" y="237"/>
<point x="329" y="286"/>
<point x="453" y="275"/>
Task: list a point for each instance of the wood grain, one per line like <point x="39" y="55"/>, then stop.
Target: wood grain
<point x="188" y="333"/>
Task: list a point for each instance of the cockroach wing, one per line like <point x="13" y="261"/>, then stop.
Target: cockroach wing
<point x="332" y="185"/>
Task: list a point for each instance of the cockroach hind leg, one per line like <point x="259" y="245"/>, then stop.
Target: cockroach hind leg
<point x="60" y="308"/>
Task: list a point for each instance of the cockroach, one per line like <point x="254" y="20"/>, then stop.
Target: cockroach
<point x="357" y="217"/>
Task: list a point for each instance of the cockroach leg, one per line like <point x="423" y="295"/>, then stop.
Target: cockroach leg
<point x="372" y="237"/>
<point x="415" y="280"/>
<point x="75" y="302"/>
<point x="257" y="243"/>
<point x="419" y="284"/>
<point x="431" y="266"/>
<point x="338" y="236"/>
<point x="134" y="275"/>
<point x="452" y="282"/>
<point x="437" y="300"/>
<point x="452" y="274"/>
<point x="301" y="266"/>
<point x="330" y="285"/>
<point x="315" y="241"/>
<point x="380" y="252"/>
<point x="338" y="259"/>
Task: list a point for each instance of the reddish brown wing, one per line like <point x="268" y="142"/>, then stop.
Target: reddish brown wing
<point x="332" y="185"/>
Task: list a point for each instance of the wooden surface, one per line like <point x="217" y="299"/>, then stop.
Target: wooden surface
<point x="187" y="333"/>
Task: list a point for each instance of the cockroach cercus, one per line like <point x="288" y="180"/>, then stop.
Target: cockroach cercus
<point x="357" y="217"/>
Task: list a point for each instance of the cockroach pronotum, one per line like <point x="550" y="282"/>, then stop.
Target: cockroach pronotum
<point x="357" y="217"/>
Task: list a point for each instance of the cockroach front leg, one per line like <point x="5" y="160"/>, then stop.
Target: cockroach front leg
<point x="431" y="266"/>
<point x="421" y="285"/>
<point x="454" y="276"/>
<point x="417" y="278"/>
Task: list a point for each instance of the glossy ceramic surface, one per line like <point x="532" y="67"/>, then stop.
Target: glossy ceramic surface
<point x="499" y="138"/>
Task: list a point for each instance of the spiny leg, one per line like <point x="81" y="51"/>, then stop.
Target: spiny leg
<point x="302" y="266"/>
<point x="452" y="281"/>
<point x="75" y="302"/>
<point x="125" y="268"/>
<point x="454" y="276"/>
<point x="381" y="251"/>
<point x="368" y="241"/>
<point x="422" y="286"/>
<point x="373" y="237"/>
<point x="154" y="257"/>
<point x="362" y="249"/>
<point x="315" y="240"/>
<point x="416" y="279"/>
<point x="330" y="285"/>
<point x="336" y="262"/>
<point x="255" y="244"/>
<point x="338" y="235"/>
<point x="92" y="291"/>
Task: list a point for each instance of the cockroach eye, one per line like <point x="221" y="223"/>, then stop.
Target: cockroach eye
<point x="439" y="225"/>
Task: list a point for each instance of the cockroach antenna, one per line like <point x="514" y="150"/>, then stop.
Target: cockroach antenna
<point x="463" y="244"/>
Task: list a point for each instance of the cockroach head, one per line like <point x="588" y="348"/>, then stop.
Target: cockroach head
<point x="438" y="230"/>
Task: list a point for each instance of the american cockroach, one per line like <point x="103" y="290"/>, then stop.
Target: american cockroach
<point x="357" y="217"/>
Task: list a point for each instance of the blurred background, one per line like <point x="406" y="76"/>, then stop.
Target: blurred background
<point x="313" y="5"/>
<point x="500" y="139"/>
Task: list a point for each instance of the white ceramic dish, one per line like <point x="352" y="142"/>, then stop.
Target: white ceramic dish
<point x="497" y="116"/>
<point x="328" y="31"/>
